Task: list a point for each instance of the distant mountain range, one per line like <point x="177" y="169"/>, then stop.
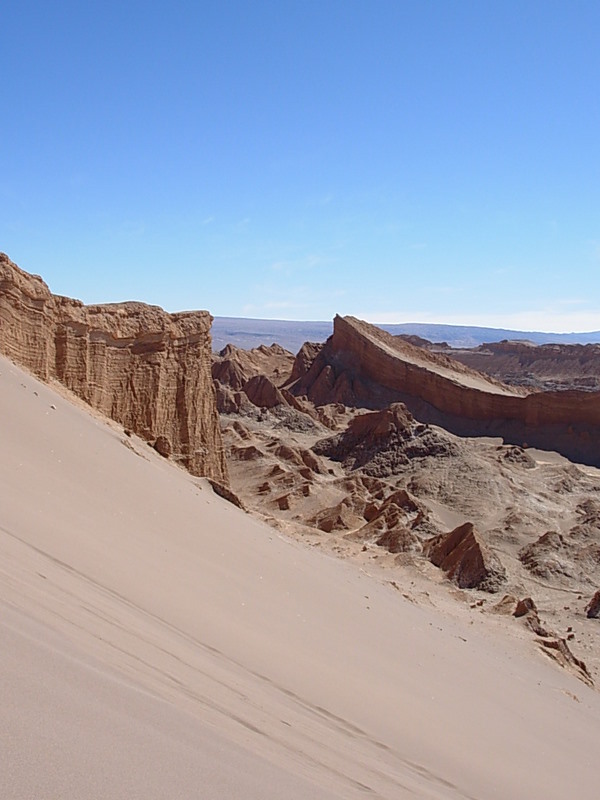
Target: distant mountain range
<point x="249" y="333"/>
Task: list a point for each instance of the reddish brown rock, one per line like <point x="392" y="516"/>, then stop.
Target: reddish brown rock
<point x="263" y="393"/>
<point x="228" y="401"/>
<point x="593" y="607"/>
<point x="247" y="453"/>
<point x="226" y="493"/>
<point x="527" y="610"/>
<point x="163" y="446"/>
<point x="304" y="359"/>
<point x="234" y="366"/>
<point x="393" y="523"/>
<point x="524" y="607"/>
<point x="337" y="518"/>
<point x="382" y="369"/>
<point x="229" y="372"/>
<point x="466" y="559"/>
<point x="311" y="461"/>
<point x="290" y="454"/>
<point x="148" y="370"/>
<point x="546" y="366"/>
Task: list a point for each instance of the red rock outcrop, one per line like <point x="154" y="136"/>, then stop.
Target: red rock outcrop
<point x="548" y="366"/>
<point x="376" y="369"/>
<point x="234" y="366"/>
<point x="146" y="369"/>
<point x="592" y="609"/>
<point x="263" y="393"/>
<point x="466" y="559"/>
<point x="253" y="374"/>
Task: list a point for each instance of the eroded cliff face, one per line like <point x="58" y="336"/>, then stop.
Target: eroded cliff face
<point x="364" y="366"/>
<point x="146" y="369"/>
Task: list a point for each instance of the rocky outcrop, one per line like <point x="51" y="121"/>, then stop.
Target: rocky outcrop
<point x="234" y="366"/>
<point x="252" y="375"/>
<point x="263" y="393"/>
<point x="592" y="609"/>
<point x="549" y="556"/>
<point x="558" y="650"/>
<point x="382" y="443"/>
<point x="547" y="366"/>
<point x="364" y="366"/>
<point x="146" y="369"/>
<point x="466" y="559"/>
<point x="304" y="358"/>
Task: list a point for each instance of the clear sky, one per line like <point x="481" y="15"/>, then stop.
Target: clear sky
<point x="402" y="161"/>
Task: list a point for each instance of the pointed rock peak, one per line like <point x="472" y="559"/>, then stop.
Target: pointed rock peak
<point x="466" y="559"/>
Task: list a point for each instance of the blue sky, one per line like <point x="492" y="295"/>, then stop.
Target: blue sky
<point x="400" y="161"/>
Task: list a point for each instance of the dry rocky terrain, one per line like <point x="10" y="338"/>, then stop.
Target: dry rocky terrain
<point x="395" y="630"/>
<point x="369" y="446"/>
<point x="319" y="449"/>
<point x="523" y="363"/>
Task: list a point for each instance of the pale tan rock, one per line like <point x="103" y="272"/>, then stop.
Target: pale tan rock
<point x="559" y="651"/>
<point x="505" y="606"/>
<point x="142" y="367"/>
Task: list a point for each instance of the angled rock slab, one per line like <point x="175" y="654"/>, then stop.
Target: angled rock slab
<point x="466" y="559"/>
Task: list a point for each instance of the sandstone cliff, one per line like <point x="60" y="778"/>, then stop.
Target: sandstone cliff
<point x="364" y="366"/>
<point x="146" y="369"/>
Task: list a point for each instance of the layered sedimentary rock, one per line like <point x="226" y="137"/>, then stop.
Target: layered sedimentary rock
<point x="547" y="366"/>
<point x="144" y="368"/>
<point x="364" y="366"/>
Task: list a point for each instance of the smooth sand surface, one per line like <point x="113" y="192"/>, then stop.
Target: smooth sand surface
<point x="157" y="642"/>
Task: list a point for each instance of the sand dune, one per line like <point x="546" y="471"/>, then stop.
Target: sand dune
<point x="157" y="642"/>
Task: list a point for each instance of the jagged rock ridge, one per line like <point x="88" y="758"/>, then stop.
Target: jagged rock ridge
<point x="363" y="366"/>
<point x="146" y="369"/>
<point x="543" y="366"/>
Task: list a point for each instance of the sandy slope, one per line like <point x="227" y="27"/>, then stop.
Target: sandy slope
<point x="157" y="642"/>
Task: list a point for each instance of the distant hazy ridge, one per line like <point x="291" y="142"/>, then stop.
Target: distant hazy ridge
<point x="249" y="333"/>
